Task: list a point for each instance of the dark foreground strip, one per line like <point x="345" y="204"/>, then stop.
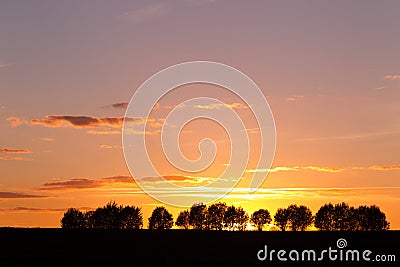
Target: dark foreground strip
<point x="59" y="247"/>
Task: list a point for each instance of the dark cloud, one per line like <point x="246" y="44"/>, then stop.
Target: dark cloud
<point x="120" y="105"/>
<point x="10" y="150"/>
<point x="72" y="184"/>
<point x="18" y="195"/>
<point x="115" y="181"/>
<point x="85" y="183"/>
<point x="86" y="121"/>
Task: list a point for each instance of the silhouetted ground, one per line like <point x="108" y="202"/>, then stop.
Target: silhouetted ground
<point x="55" y="247"/>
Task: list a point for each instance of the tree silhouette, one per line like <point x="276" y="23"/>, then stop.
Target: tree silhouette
<point x="230" y="217"/>
<point x="281" y="218"/>
<point x="161" y="219"/>
<point x="198" y="216"/>
<point x="73" y="218"/>
<point x="338" y="217"/>
<point x="241" y="219"/>
<point x="325" y="217"/>
<point x="131" y="218"/>
<point x="88" y="217"/>
<point x="341" y="217"/>
<point x="183" y="220"/>
<point x="300" y="217"/>
<point x="259" y="218"/>
<point x="371" y="219"/>
<point x="215" y="216"/>
<point x="107" y="217"/>
<point x="235" y="218"/>
<point x="111" y="216"/>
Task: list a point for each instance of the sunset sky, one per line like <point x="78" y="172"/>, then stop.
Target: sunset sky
<point x="330" y="71"/>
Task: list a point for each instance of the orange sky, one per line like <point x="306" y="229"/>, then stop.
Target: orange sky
<point x="330" y="72"/>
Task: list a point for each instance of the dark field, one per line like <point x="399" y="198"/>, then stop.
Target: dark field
<point x="55" y="247"/>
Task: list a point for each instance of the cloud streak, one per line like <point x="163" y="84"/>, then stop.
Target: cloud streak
<point x="295" y="98"/>
<point x="118" y="182"/>
<point x="85" y="121"/>
<point x="47" y="139"/>
<point x="296" y="168"/>
<point x="85" y="183"/>
<point x="325" y="169"/>
<point x="13" y="195"/>
<point x="9" y="158"/>
<point x="56" y="121"/>
<point x="110" y="146"/>
<point x="29" y="209"/>
<point x="219" y="106"/>
<point x="15" y="151"/>
<point x="385" y="168"/>
<point x="392" y="77"/>
<point x="119" y="105"/>
<point x="107" y="131"/>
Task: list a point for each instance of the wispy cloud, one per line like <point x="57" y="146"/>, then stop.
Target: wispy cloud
<point x="2" y="64"/>
<point x="178" y="178"/>
<point x="14" y="121"/>
<point x="147" y="12"/>
<point x="385" y="168"/>
<point x="19" y="195"/>
<point x="219" y="106"/>
<point x="106" y="131"/>
<point x="325" y="169"/>
<point x="8" y="158"/>
<point x="110" y="146"/>
<point x="295" y="97"/>
<point x="296" y="168"/>
<point x="47" y="139"/>
<point x="392" y="77"/>
<point x="253" y="130"/>
<point x="16" y="151"/>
